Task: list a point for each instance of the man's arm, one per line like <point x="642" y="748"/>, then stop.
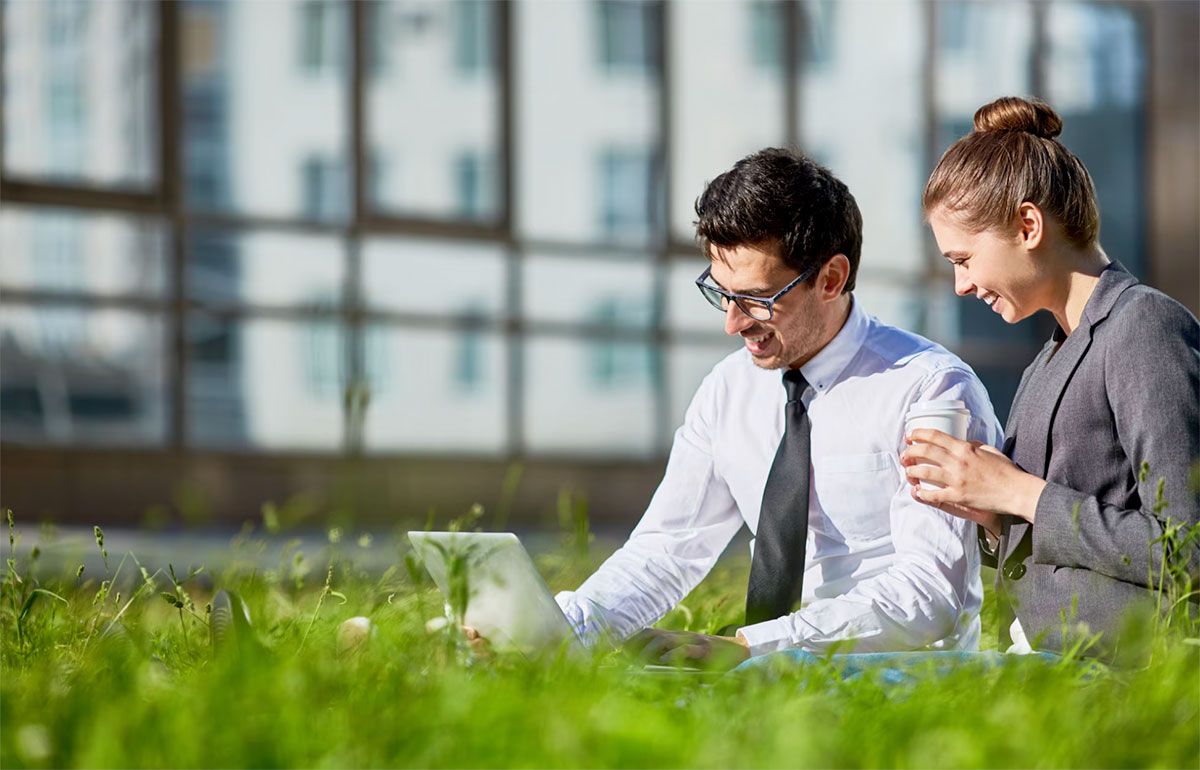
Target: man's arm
<point x="689" y="521"/>
<point x="934" y="581"/>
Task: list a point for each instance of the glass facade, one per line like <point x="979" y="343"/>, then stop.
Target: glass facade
<point x="191" y="259"/>
<point x="85" y="376"/>
<point x="79" y="93"/>
<point x="741" y="106"/>
<point x="432" y="119"/>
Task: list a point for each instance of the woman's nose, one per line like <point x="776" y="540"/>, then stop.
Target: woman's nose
<point x="962" y="284"/>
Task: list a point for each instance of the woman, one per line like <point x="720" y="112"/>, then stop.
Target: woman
<point x="1105" y="424"/>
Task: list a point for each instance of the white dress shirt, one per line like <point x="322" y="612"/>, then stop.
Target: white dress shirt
<point x="883" y="572"/>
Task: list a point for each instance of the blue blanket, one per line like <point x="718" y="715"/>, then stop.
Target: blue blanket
<point x="892" y="667"/>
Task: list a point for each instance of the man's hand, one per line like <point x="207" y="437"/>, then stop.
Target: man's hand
<point x="479" y="643"/>
<point x="685" y="648"/>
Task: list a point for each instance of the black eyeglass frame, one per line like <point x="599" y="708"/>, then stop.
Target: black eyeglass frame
<point x="714" y="294"/>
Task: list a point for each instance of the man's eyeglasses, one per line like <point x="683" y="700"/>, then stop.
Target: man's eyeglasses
<point x="758" y="308"/>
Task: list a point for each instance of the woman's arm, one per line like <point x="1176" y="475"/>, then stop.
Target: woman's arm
<point x="978" y="482"/>
<point x="1152" y="380"/>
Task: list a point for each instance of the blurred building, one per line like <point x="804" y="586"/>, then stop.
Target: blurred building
<point x="383" y="254"/>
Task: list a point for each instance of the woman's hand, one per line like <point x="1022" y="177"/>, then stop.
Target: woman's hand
<point x="978" y="482"/>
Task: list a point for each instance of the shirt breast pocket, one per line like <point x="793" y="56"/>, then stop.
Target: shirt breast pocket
<point x="855" y="493"/>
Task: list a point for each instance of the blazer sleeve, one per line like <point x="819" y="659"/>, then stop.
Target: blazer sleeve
<point x="1152" y="379"/>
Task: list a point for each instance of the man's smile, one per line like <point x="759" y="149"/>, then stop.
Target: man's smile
<point x="757" y="343"/>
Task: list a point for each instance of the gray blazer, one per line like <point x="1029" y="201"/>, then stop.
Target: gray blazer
<point x="1122" y="390"/>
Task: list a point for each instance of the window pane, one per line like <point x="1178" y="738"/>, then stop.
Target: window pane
<point x="609" y="293"/>
<point x="738" y="110"/>
<point x="65" y="250"/>
<point x="627" y="35"/>
<point x="687" y="366"/>
<point x="80" y="83"/>
<point x="861" y="114"/>
<point x="433" y="108"/>
<point x="939" y="315"/>
<point x="1096" y="77"/>
<point x="265" y="268"/>
<point x="902" y="306"/>
<point x="587" y="144"/>
<point x="265" y="106"/>
<point x="984" y="51"/>
<point x="687" y="310"/>
<point x="264" y="383"/>
<point x="436" y="390"/>
<point x="1001" y="383"/>
<point x="932" y="310"/>
<point x="434" y="277"/>
<point x="81" y="376"/>
<point x="589" y="396"/>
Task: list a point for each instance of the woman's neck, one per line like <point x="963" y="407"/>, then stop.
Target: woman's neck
<point x="1077" y="284"/>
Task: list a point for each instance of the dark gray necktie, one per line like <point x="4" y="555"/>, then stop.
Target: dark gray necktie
<point x="777" y="569"/>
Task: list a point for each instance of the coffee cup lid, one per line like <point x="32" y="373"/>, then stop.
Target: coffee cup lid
<point x="948" y="404"/>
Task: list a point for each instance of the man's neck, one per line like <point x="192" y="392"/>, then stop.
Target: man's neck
<point x="838" y="315"/>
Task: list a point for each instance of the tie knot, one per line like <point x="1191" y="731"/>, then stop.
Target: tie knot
<point x="794" y="384"/>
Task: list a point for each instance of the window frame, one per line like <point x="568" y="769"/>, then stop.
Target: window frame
<point x="164" y="202"/>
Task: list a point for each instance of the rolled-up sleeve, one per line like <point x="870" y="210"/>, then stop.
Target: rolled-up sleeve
<point x="689" y="521"/>
<point x="932" y="591"/>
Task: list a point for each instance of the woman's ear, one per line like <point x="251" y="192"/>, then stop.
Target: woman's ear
<point x="1032" y="225"/>
<point x="833" y="276"/>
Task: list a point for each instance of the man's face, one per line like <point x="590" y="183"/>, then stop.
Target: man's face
<point x="793" y="335"/>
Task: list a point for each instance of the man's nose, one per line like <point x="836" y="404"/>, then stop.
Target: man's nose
<point x="736" y="321"/>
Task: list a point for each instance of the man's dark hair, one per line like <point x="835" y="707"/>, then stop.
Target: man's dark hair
<point x="781" y="198"/>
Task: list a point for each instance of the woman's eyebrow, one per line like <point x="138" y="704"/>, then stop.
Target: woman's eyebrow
<point x="952" y="255"/>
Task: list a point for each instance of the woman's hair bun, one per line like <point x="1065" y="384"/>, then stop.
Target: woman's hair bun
<point x="1012" y="113"/>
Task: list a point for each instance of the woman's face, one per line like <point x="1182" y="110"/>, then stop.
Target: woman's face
<point x="997" y="268"/>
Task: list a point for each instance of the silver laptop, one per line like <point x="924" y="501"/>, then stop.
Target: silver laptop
<point x="506" y="599"/>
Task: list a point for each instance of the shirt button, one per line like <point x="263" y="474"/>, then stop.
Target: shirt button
<point x="1014" y="571"/>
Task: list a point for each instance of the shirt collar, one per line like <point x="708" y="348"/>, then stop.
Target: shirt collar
<point x="823" y="369"/>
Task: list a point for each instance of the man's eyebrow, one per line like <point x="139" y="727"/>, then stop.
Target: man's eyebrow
<point x="744" y="291"/>
<point x="952" y="255"/>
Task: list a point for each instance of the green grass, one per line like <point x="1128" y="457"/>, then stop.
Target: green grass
<point x="76" y="693"/>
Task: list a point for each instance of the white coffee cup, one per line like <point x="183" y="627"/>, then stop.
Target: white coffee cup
<point x="950" y="416"/>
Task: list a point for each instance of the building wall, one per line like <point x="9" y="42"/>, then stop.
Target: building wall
<point x="1174" y="145"/>
<point x="303" y="351"/>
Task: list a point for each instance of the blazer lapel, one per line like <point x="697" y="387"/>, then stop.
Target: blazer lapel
<point x="1033" y="452"/>
<point x="1043" y="393"/>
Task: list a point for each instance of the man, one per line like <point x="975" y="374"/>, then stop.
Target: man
<point x="797" y="436"/>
